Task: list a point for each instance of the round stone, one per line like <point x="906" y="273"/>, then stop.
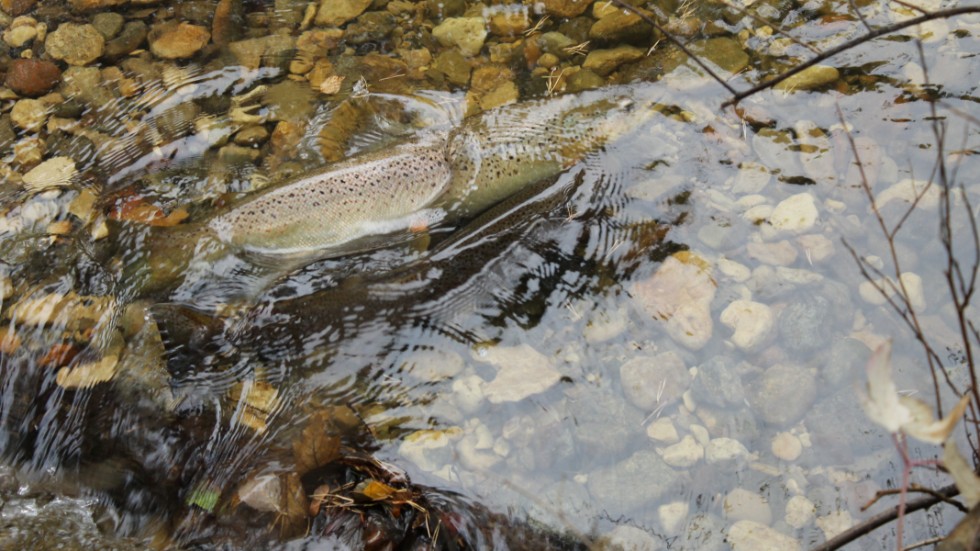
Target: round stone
<point x="75" y="44"/>
<point x="787" y="446"/>
<point x="177" y="40"/>
<point x="32" y="77"/>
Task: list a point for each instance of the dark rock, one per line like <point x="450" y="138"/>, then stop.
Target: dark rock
<point x="783" y="394"/>
<point x="718" y="383"/>
<point x="17" y="7"/>
<point x="131" y="37"/>
<point x="108" y="24"/>
<point x="373" y="26"/>
<point x="32" y="77"/>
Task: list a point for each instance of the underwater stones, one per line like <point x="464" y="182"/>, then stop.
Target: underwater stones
<point x="629" y="538"/>
<point x="566" y="8"/>
<point x="129" y="38"/>
<point x="720" y="450"/>
<point x="800" y="512"/>
<point x="652" y="382"/>
<point x="603" y="62"/>
<point x="433" y="365"/>
<point x="782" y="394"/>
<point x="803" y="325"/>
<point x="23" y="30"/>
<point x="54" y="172"/>
<point x="29" y="114"/>
<point x="17" y="7"/>
<point x="173" y="40"/>
<point x="786" y="446"/>
<point x="683" y="454"/>
<point x="522" y="371"/>
<point x="75" y="44"/>
<point x="846" y="362"/>
<point x="454" y="66"/>
<point x="724" y="52"/>
<point x="619" y="26"/>
<point x="679" y="294"/>
<point x="430" y="449"/>
<point x="32" y="77"/>
<point x="663" y="430"/>
<point x="795" y="214"/>
<point x="334" y="13"/>
<point x="810" y="78"/>
<point x="718" y="383"/>
<point x="583" y="79"/>
<point x="108" y="24"/>
<point x="642" y="478"/>
<point x="742" y="504"/>
<point x="467" y="34"/>
<point x="509" y="20"/>
<point x="751" y="321"/>
<point x="747" y="535"/>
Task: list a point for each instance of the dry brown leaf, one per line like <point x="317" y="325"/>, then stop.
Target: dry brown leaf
<point x="374" y="490"/>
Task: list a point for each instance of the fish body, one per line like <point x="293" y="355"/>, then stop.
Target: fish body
<point x="374" y="193"/>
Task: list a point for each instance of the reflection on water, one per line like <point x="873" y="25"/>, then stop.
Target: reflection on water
<point x="641" y="327"/>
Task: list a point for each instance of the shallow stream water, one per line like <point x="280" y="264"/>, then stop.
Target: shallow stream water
<point x="655" y="346"/>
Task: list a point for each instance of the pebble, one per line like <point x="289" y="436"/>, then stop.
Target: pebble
<point x="452" y="64"/>
<point x="629" y="538"/>
<point x="465" y="33"/>
<point x="468" y="393"/>
<point x="428" y="449"/>
<point x="29" y="114"/>
<point x="640" y="479"/>
<point x="787" y="446"/>
<point x="654" y="382"/>
<point x="796" y="214"/>
<point x="741" y="504"/>
<point x="835" y="522"/>
<point x="805" y="325"/>
<point x="522" y="371"/>
<point x="476" y="447"/>
<point x="566" y="8"/>
<point x="22" y="30"/>
<point x="54" y="172"/>
<point x="724" y="449"/>
<point x="780" y="253"/>
<point x="736" y="271"/>
<point x="783" y="394"/>
<point x="431" y="365"/>
<point x="605" y="324"/>
<point x="680" y="295"/>
<point x="17" y="7"/>
<point x="751" y="322"/>
<point x="810" y="78"/>
<point x="28" y="151"/>
<point x="752" y="177"/>
<point x="718" y="383"/>
<point x="334" y="13"/>
<point x="663" y="430"/>
<point x="132" y="35"/>
<point x="75" y="44"/>
<point x="108" y="24"/>
<point x="816" y="247"/>
<point x="619" y="26"/>
<point x="32" y="77"/>
<point x="800" y="512"/>
<point x="746" y="535"/>
<point x="673" y="517"/>
<point x="508" y="20"/>
<point x="173" y="40"/>
<point x="603" y="62"/>
<point x="724" y="52"/>
<point x="683" y="454"/>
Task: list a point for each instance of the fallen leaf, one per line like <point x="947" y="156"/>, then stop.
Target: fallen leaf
<point x="966" y="480"/>
<point x="880" y="399"/>
<point x="204" y="496"/>
<point x="374" y="490"/>
<point x="9" y="340"/>
<point x="318" y="444"/>
<point x="331" y="84"/>
<point x="924" y="426"/>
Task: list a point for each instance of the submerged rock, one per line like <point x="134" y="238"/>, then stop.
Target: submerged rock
<point x="177" y="40"/>
<point x="32" y="77"/>
<point x="75" y="44"/>
<point x="603" y="62"/>
<point x="783" y="394"/>
<point x="810" y="78"/>
<point x="465" y="33"/>
<point x="680" y="294"/>
<point x="640" y="479"/>
<point x="747" y="535"/>
<point x="522" y="372"/>
<point x="653" y="382"/>
<point x="334" y="13"/>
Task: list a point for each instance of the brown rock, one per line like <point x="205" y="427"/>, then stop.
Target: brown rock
<point x="177" y="40"/>
<point x="566" y="8"/>
<point x="228" y="21"/>
<point x="32" y="77"/>
<point x="75" y="44"/>
<point x="17" y="7"/>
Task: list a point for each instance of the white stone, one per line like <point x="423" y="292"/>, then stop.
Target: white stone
<point x="750" y="201"/>
<point x="605" y="324"/>
<point x="757" y="214"/>
<point x="663" y="430"/>
<point x="466" y="33"/>
<point x="433" y="365"/>
<point x="468" y="393"/>
<point x="430" y="449"/>
<point x="869" y="290"/>
<point x="699" y="433"/>
<point x="724" y="449"/>
<point x="798" y="276"/>
<point x="816" y="247"/>
<point x="522" y="371"/>
<point x="680" y="295"/>
<point x="29" y="114"/>
<point x="796" y="214"/>
<point x="780" y="253"/>
<point x="913" y="286"/>
<point x="751" y="322"/>
<point x="673" y="517"/>
<point x="746" y="535"/>
<point x="55" y="172"/>
<point x="741" y="504"/>
<point x="752" y="178"/>
<point x="683" y="454"/>
<point x="628" y="538"/>
<point x="907" y="190"/>
<point x="799" y="512"/>
<point x="786" y="446"/>
<point x="835" y="523"/>
<point x="475" y="448"/>
<point x="736" y="271"/>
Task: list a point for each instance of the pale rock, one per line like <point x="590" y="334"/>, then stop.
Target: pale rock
<point x="29" y="114"/>
<point x="468" y="393"/>
<point x="699" y="433"/>
<point x="735" y="270"/>
<point x="663" y="430"/>
<point x="683" y="454"/>
<point x="741" y="504"/>
<point x="673" y="517"/>
<point x="605" y="324"/>
<point x="816" y="152"/>
<point x="749" y="201"/>
<point x="786" y="446"/>
<point x="22" y="30"/>
<point x="652" y="382"/>
<point x="752" y="177"/>
<point x="906" y="192"/>
<point x="724" y="449"/>
<point x="334" y="13"/>
<point x="870" y="168"/>
<point x="522" y="371"/>
<point x="870" y="294"/>
<point x="680" y="294"/>
<point x="869" y="290"/>
<point x="835" y="523"/>
<point x="800" y="512"/>
<point x="780" y="253"/>
<point x="429" y="450"/>
<point x="751" y="322"/>
<point x="811" y="78"/>
<point x="465" y="33"/>
<point x="816" y="247"/>
<point x="173" y="40"/>
<point x="476" y="447"/>
<point x="75" y="44"/>
<point x="53" y="173"/>
<point x="757" y="214"/>
<point x="433" y="365"/>
<point x="746" y="535"/>
<point x="628" y="538"/>
<point x="798" y="276"/>
<point x="913" y="286"/>
<point x="796" y="214"/>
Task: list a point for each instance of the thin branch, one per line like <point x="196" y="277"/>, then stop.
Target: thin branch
<point x="869" y="525"/>
<point x="775" y="26"/>
<point x="941" y="14"/>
